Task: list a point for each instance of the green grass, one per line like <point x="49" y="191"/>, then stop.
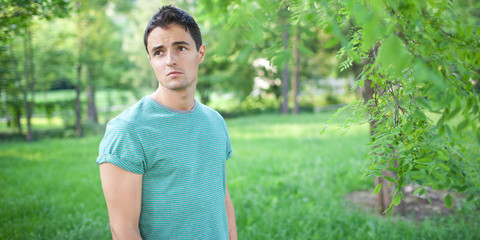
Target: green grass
<point x="287" y="181"/>
<point x="50" y="190"/>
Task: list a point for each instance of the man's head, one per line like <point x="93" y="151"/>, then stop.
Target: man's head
<point x="175" y="49"/>
<point x="171" y="15"/>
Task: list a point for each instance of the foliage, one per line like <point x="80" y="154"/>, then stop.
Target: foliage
<point x="17" y="20"/>
<point x="88" y="40"/>
<point x="16" y="15"/>
<point x="260" y="104"/>
<point x="420" y="57"/>
<point x="422" y="60"/>
<point x="101" y="43"/>
<point x="243" y="33"/>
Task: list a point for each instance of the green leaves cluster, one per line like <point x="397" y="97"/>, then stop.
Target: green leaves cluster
<point x="16" y="15"/>
<point x="421" y="58"/>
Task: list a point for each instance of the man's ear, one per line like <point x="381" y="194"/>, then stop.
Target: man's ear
<point x="202" y="50"/>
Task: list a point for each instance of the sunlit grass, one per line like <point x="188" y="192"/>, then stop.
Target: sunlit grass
<point x="38" y="123"/>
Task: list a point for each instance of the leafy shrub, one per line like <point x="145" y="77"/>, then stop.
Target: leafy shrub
<point x="259" y="104"/>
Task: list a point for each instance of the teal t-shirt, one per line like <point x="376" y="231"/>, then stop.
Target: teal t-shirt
<point x="182" y="156"/>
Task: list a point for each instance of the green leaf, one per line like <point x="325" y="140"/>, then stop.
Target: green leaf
<point x="448" y="201"/>
<point x="424" y="103"/>
<point x="478" y="136"/>
<point x="443" y="167"/>
<point x="422" y="192"/>
<point x="453" y="113"/>
<point x="390" y="179"/>
<point x="396" y="199"/>
<point x="428" y="198"/>
<point x="377" y="173"/>
<point x="462" y="125"/>
<point x="418" y="176"/>
<point x="377" y="189"/>
<point x="424" y="160"/>
<point x="442" y="155"/>
<point x="393" y="169"/>
<point x="438" y="176"/>
<point x="388" y="209"/>
<point x="408" y="126"/>
<point x="420" y="166"/>
<point x="392" y="56"/>
<point x="417" y="191"/>
<point x="331" y="43"/>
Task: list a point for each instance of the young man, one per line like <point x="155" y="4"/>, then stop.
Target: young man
<point x="163" y="160"/>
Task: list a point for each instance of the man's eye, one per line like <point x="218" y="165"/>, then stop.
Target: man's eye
<point x="182" y="48"/>
<point x="158" y="53"/>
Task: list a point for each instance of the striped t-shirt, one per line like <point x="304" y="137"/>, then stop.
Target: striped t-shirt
<point x="182" y="156"/>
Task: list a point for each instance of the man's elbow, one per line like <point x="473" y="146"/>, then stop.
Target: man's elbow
<point x="120" y="232"/>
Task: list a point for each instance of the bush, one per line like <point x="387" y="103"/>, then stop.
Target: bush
<point x="259" y="104"/>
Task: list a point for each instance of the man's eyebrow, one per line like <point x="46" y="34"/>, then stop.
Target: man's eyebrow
<point x="155" y="48"/>
<point x="180" y="43"/>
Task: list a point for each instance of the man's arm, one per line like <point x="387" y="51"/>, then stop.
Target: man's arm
<point x="232" y="225"/>
<point x="123" y="194"/>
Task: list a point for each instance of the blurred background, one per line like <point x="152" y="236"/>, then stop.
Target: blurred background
<point x="85" y="61"/>
<point x="273" y="69"/>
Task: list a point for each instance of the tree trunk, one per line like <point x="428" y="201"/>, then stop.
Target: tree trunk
<point x="285" y="87"/>
<point x="32" y="82"/>
<point x="5" y="101"/>
<point x="78" y="103"/>
<point x="16" y="101"/>
<point x="29" y="83"/>
<point x="296" y="74"/>
<point x="78" y="93"/>
<point x="383" y="198"/>
<point x="92" y="107"/>
<point x="78" y="86"/>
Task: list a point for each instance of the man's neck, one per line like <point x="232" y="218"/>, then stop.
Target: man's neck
<point x="183" y="100"/>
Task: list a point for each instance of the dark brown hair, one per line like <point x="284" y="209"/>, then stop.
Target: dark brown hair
<point x="167" y="15"/>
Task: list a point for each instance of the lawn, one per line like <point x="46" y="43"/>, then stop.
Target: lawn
<point x="287" y="181"/>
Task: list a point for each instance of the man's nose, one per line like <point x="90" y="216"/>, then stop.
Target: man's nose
<point x="171" y="58"/>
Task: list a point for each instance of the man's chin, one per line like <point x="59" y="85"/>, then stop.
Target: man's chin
<point x="178" y="86"/>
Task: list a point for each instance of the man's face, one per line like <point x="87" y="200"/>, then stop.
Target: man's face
<point x="174" y="57"/>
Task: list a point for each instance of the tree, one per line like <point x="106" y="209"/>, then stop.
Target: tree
<point x="295" y="73"/>
<point x="17" y="18"/>
<point x="425" y="109"/>
<point x="10" y="91"/>
<point x="29" y="87"/>
<point x="98" y="45"/>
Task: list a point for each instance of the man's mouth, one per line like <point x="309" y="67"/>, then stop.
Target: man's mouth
<point x="173" y="73"/>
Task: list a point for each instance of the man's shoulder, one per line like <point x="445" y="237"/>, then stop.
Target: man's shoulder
<point x="210" y="112"/>
<point x="133" y="114"/>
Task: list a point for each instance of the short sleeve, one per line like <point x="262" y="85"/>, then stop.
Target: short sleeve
<point x="121" y="146"/>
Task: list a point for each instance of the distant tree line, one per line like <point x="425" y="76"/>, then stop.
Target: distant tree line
<point x="88" y="45"/>
<point x="58" y="44"/>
